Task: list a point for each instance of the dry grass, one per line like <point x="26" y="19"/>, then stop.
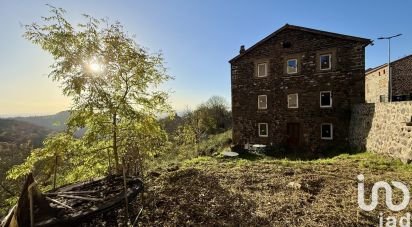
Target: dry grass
<point x="218" y="191"/>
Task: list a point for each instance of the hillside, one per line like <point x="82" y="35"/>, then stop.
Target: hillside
<point x="19" y="132"/>
<point x="16" y="141"/>
<point x="55" y="122"/>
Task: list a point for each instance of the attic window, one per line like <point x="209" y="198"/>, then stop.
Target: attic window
<point x="286" y="44"/>
<point x="261" y="69"/>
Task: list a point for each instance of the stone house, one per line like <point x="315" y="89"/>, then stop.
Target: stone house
<point x="377" y="81"/>
<point x="295" y="88"/>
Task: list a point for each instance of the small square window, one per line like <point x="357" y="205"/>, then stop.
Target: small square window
<point x="293" y="101"/>
<point x="382" y="98"/>
<point x="263" y="130"/>
<point x="292" y="66"/>
<point x="325" y="99"/>
<point x="326" y="131"/>
<point x="325" y="62"/>
<point x="262" y="70"/>
<point x="262" y="102"/>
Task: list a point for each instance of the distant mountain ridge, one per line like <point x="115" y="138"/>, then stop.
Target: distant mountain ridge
<point x="56" y="122"/>
<point x="20" y="132"/>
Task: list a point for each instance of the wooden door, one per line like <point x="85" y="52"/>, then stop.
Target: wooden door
<point x="293" y="135"/>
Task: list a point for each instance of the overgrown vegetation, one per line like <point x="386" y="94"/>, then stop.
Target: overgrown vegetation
<point x="17" y="139"/>
<point x="113" y="84"/>
<point x="257" y="190"/>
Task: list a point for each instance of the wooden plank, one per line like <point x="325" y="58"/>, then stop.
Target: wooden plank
<point x="79" y="197"/>
<point x="71" y="193"/>
<point x="59" y="203"/>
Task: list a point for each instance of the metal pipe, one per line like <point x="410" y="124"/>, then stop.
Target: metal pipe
<point x="389" y="65"/>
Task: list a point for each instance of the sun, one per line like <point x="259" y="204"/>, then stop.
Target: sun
<point x="95" y="67"/>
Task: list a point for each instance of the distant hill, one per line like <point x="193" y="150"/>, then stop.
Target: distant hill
<point x="20" y="132"/>
<point x="54" y="122"/>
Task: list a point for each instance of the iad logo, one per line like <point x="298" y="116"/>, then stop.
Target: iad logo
<point x="388" y="195"/>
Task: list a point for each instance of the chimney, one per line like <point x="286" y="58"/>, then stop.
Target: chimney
<point x="242" y="49"/>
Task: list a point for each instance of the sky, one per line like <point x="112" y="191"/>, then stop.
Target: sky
<point x="197" y="39"/>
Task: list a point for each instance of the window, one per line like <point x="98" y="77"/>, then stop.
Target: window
<point x="292" y="66"/>
<point x="262" y="102"/>
<point x="293" y="101"/>
<point x="261" y="69"/>
<point x="325" y="99"/>
<point x="325" y="62"/>
<point x="263" y="130"/>
<point x="326" y="131"/>
<point x="382" y="98"/>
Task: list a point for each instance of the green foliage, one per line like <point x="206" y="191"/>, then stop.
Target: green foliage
<point x="113" y="83"/>
<point x="11" y="154"/>
<point x="215" y="143"/>
<point x="195" y="127"/>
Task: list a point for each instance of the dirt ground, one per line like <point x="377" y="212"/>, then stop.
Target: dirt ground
<point x="266" y="192"/>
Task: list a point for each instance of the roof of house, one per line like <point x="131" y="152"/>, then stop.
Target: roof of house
<point x="371" y="70"/>
<point x="315" y="31"/>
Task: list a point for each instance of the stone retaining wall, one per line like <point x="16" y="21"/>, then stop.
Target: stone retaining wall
<point x="381" y="128"/>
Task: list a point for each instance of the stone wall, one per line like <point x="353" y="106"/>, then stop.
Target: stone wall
<point x="381" y="128"/>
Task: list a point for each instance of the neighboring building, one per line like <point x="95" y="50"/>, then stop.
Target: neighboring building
<point x="376" y="84"/>
<point x="377" y="81"/>
<point x="296" y="88"/>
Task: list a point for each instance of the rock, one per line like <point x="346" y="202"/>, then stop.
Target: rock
<point x="172" y="168"/>
<point x="154" y="174"/>
<point x="294" y="185"/>
<point x="230" y="154"/>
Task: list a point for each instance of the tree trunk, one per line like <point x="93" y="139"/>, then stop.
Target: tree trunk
<point x="55" y="172"/>
<point x="116" y="155"/>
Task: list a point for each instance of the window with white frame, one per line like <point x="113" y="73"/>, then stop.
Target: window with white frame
<point x="325" y="99"/>
<point x="325" y="61"/>
<point x="262" y="102"/>
<point x="293" y="101"/>
<point x="326" y="131"/>
<point x="292" y="66"/>
<point x="262" y="69"/>
<point x="263" y="129"/>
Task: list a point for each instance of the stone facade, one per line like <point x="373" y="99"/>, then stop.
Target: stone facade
<point x="376" y="84"/>
<point x="345" y="80"/>
<point x="382" y="128"/>
<point x="402" y="76"/>
<point x="377" y="80"/>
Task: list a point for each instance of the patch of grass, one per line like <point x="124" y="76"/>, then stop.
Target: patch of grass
<point x="199" y="161"/>
<point x="215" y="143"/>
